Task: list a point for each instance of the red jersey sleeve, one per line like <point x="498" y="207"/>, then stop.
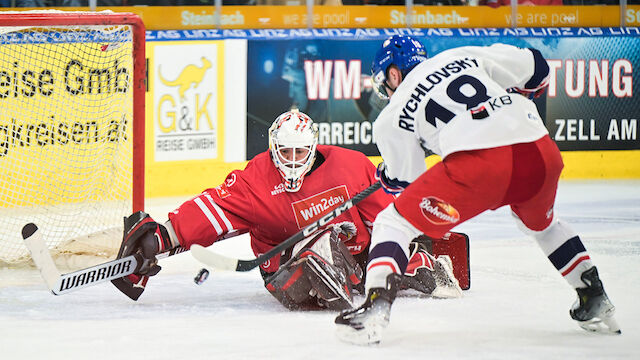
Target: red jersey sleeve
<point x="214" y="214"/>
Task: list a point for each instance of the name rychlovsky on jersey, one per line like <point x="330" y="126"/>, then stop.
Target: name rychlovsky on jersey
<point x="430" y="81"/>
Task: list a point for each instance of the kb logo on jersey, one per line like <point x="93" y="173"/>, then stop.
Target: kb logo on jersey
<point x="438" y="212"/>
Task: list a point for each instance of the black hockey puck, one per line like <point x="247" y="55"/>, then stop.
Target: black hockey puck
<point x="202" y="276"/>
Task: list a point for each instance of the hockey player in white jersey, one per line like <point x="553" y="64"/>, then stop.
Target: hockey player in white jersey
<point x="471" y="106"/>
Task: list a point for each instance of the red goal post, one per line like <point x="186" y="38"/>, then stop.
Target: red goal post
<point x="72" y="127"/>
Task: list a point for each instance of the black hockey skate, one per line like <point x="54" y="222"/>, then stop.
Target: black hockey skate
<point x="592" y="310"/>
<point x="364" y="325"/>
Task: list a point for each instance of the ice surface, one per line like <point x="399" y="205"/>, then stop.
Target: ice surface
<point x="517" y="307"/>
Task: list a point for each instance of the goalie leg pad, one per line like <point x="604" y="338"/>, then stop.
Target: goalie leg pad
<point x="456" y="246"/>
<point x="322" y="276"/>
<point x="429" y="275"/>
<point x="435" y="276"/>
<point x="329" y="283"/>
<point x="311" y="284"/>
<point x="292" y="289"/>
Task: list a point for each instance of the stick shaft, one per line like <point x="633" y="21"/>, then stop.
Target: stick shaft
<point x="63" y="283"/>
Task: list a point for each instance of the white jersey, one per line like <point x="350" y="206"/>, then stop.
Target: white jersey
<point x="456" y="101"/>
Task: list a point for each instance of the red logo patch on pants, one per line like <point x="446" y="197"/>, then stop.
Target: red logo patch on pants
<point x="438" y="212"/>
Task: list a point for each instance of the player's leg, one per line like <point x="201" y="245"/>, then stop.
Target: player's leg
<point x="432" y="205"/>
<point x="561" y="244"/>
<point x="435" y="266"/>
<point x="449" y="193"/>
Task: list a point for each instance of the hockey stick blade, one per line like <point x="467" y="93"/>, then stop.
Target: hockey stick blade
<point x="40" y="255"/>
<point x="60" y="284"/>
<point x="219" y="262"/>
<point x="222" y="262"/>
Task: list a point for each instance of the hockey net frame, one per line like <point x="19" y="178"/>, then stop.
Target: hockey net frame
<point x="81" y="249"/>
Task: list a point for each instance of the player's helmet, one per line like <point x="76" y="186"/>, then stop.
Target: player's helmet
<point x="293" y="138"/>
<point x="402" y="51"/>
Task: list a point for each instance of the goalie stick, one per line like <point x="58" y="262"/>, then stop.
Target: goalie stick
<point x="222" y="262"/>
<point x="60" y="284"/>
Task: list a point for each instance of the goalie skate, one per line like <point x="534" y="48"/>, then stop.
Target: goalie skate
<point x="365" y="324"/>
<point x="593" y="310"/>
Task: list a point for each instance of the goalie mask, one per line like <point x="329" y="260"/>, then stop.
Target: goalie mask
<point x="293" y="138"/>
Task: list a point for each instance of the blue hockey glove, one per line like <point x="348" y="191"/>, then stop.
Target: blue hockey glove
<point x="390" y="186"/>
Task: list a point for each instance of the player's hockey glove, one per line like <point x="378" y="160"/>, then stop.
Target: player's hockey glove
<point x="147" y="238"/>
<point x="390" y="186"/>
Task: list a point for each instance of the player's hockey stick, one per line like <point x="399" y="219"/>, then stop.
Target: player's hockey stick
<point x="60" y="284"/>
<point x="222" y="262"/>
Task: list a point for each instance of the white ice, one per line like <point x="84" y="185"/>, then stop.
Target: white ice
<point x="517" y="307"/>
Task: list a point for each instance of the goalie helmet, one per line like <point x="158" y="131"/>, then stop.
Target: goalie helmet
<point x="293" y="138"/>
<point x="402" y="51"/>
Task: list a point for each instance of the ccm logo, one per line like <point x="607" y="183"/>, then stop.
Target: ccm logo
<point x="327" y="218"/>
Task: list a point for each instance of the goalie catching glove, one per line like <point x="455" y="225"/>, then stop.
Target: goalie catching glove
<point x="147" y="238"/>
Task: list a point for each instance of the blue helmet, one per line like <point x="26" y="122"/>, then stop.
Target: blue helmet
<point x="402" y="51"/>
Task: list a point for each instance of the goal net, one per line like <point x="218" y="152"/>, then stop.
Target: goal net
<point x="71" y="129"/>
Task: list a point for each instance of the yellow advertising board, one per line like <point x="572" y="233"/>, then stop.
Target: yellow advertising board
<point x="567" y="16"/>
<point x="185" y="117"/>
<point x="289" y="17"/>
<point x="63" y="117"/>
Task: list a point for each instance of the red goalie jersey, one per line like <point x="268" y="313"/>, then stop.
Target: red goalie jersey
<point x="254" y="200"/>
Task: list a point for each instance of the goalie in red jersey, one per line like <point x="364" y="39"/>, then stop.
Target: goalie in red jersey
<point x="280" y="192"/>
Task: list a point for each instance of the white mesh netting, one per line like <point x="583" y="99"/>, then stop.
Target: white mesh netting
<point x="65" y="137"/>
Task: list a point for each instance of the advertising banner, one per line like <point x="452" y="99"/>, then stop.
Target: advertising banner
<point x="326" y="79"/>
<point x="358" y="16"/>
<point x="65" y="110"/>
<point x="589" y="105"/>
<point x="256" y="74"/>
<point x="185" y="90"/>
